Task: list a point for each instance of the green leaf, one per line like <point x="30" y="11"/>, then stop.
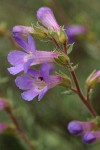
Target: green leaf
<point x="70" y="48"/>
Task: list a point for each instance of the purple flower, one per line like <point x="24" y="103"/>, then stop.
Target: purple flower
<point x="22" y="30"/>
<point x="74" y="30"/>
<point x="77" y="127"/>
<point x="3" y="104"/>
<point x="23" y="60"/>
<point x="46" y="17"/>
<point x="90" y="137"/>
<point x="37" y="83"/>
<point x="3" y="127"/>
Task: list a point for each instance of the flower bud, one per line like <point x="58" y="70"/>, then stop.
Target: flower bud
<point x="40" y="32"/>
<point x="46" y="17"/>
<point x="77" y="127"/>
<point x="93" y="79"/>
<point x="62" y="36"/>
<point x="91" y="137"/>
<point x="62" y="59"/>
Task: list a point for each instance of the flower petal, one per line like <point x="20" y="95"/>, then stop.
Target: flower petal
<point x="15" y="70"/>
<point x="42" y="93"/>
<point x="16" y="57"/>
<point x="34" y="73"/>
<point x="27" y="65"/>
<point x="21" y="41"/>
<point x="22" y="30"/>
<point x="29" y="95"/>
<point x="31" y="44"/>
<point x="24" y="82"/>
<point x="45" y="70"/>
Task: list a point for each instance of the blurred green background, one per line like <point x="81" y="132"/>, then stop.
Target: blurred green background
<point x="45" y="122"/>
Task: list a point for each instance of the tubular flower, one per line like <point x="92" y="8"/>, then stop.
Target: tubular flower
<point x="90" y="137"/>
<point x="23" y="60"/>
<point x="46" y="17"/>
<point x="37" y="83"/>
<point x="3" y="127"/>
<point x="93" y="79"/>
<point x="22" y="30"/>
<point x="74" y="30"/>
<point x="77" y="127"/>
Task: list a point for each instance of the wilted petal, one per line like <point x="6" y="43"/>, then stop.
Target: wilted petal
<point x="16" y="69"/>
<point x="29" y="95"/>
<point x="42" y="93"/>
<point x="46" y="17"/>
<point x="24" y="82"/>
<point x="16" y="57"/>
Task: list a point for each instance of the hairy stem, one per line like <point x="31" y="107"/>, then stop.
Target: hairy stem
<point x="79" y="92"/>
<point x="20" y="130"/>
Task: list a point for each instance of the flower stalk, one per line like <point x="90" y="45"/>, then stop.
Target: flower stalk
<point x="78" y="89"/>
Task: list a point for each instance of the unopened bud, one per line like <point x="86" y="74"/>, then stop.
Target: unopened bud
<point x="78" y="127"/>
<point x="62" y="36"/>
<point x="93" y="79"/>
<point x="62" y="59"/>
<point x="91" y="137"/>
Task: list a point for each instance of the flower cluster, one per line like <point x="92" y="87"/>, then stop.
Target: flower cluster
<point x="88" y="130"/>
<point x="35" y="83"/>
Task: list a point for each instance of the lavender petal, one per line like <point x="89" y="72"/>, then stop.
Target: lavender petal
<point x="16" y="57"/>
<point x="16" y="69"/>
<point x="31" y="44"/>
<point x="21" y="41"/>
<point x="27" y="65"/>
<point x="24" y="82"/>
<point x="42" y="93"/>
<point x="29" y="95"/>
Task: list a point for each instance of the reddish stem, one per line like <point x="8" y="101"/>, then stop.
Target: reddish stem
<point x="79" y="92"/>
